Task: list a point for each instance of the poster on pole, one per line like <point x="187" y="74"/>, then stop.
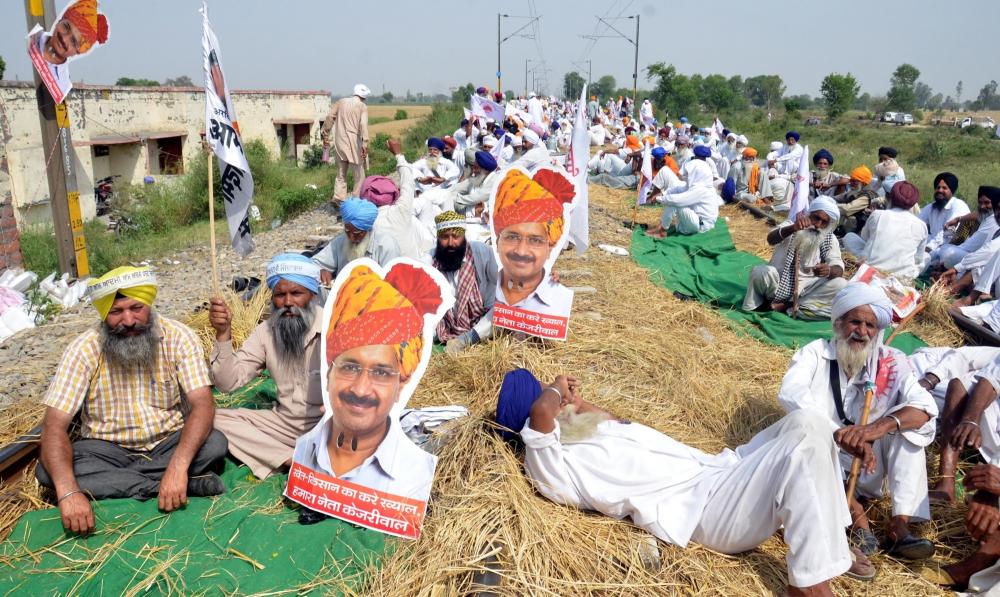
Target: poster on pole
<point x="78" y="29"/>
<point x="357" y="464"/>
<point x="223" y="135"/>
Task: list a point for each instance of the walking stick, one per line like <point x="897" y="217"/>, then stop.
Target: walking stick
<point x="852" y="481"/>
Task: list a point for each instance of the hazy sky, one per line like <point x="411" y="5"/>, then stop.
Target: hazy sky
<point x="433" y="45"/>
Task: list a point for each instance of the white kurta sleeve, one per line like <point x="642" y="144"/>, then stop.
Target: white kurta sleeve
<point x="543" y="459"/>
<point x="796" y="386"/>
<point x="327" y="258"/>
<point x="912" y="394"/>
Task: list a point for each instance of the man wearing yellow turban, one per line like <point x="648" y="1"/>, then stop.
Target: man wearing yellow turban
<point x="528" y="222"/>
<point x="376" y="331"/>
<point x="125" y="379"/>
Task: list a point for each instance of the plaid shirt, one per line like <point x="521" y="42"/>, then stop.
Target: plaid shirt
<point x="135" y="408"/>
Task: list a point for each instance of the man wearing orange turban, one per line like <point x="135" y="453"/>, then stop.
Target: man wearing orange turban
<point x="528" y="222"/>
<point x="750" y="184"/>
<point x="374" y="343"/>
<point x="80" y="27"/>
<point x="855" y="201"/>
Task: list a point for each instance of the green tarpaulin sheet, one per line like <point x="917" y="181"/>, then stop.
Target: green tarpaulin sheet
<point x="708" y="268"/>
<point x="243" y="542"/>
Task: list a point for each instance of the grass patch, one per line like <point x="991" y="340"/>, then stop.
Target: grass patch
<point x="379" y="120"/>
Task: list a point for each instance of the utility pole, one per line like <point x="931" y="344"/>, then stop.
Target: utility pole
<point x="57" y="150"/>
<point x="634" y="42"/>
<point x="500" y="41"/>
<point x="499" y="88"/>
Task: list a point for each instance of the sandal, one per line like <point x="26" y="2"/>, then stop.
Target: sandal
<point x="864" y="540"/>
<point x="861" y="567"/>
<point x="911" y="548"/>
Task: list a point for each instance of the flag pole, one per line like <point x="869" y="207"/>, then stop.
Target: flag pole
<point x="211" y="227"/>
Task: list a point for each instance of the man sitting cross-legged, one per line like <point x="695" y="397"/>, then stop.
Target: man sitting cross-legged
<point x="141" y="387"/>
<point x="787" y="476"/>
<point x="288" y="346"/>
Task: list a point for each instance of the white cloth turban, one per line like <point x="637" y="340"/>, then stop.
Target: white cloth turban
<point x="361" y="90"/>
<point x="857" y="294"/>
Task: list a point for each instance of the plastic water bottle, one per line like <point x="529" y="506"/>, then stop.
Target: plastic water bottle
<point x="326" y="155"/>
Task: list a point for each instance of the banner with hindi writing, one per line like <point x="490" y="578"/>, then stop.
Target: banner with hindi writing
<point x="222" y="132"/>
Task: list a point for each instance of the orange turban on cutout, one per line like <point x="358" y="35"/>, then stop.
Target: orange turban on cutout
<point x="539" y="199"/>
<point x="92" y="25"/>
<point x="370" y="310"/>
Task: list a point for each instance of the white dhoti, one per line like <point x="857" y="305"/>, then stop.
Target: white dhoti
<point x="687" y="221"/>
<point x="262" y="439"/>
<point x="950" y="255"/>
<point x="853" y="243"/>
<point x="815" y="299"/>
<point x="788" y="476"/>
<point x="905" y="465"/>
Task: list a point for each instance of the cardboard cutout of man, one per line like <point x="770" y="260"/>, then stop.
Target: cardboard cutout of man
<point x="77" y="31"/>
<point x="529" y="216"/>
<point x="377" y="336"/>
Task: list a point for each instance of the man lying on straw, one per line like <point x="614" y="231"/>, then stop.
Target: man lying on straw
<point x="288" y="346"/>
<point x="787" y="476"/>
<point x="829" y="377"/>
<point x="126" y="379"/>
<point x="806" y="270"/>
<point x="972" y="419"/>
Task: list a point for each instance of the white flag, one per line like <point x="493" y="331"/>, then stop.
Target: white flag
<point x="800" y="187"/>
<point x="223" y="134"/>
<point x="486" y="108"/>
<point x="576" y="166"/>
<point x="646" y="184"/>
<point x="717" y="128"/>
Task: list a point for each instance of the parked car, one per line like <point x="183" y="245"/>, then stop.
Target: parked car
<point x="888" y="117"/>
<point x="904" y="119"/>
<point x="986" y="123"/>
<point x="813" y="121"/>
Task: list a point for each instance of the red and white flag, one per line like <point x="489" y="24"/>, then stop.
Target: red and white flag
<point x="487" y="108"/>
<point x="800" y="187"/>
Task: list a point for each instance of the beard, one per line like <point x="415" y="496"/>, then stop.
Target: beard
<point x="289" y="326"/>
<point x="807" y="242"/>
<point x="850" y="356"/>
<point x="984" y="214"/>
<point x="577" y="427"/>
<point x="127" y="351"/>
<point x="432" y="162"/>
<point x="449" y="259"/>
<point x="940" y="201"/>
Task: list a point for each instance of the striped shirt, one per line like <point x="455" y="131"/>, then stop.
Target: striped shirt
<point x="138" y="407"/>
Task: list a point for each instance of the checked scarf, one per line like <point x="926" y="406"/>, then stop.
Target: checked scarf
<point x="469" y="305"/>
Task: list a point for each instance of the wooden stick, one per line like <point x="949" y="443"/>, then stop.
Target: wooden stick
<point x="906" y="320"/>
<point x="211" y="226"/>
<point x="852" y="481"/>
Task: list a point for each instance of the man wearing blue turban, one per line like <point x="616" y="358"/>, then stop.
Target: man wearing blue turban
<point x="830" y="377"/>
<point x="475" y="191"/>
<point x="788" y="475"/>
<point x="806" y="270"/>
<point x="288" y="346"/>
<point x="791" y="155"/>
<point x="434" y="171"/>
<point x="824" y="180"/>
<point x="359" y="239"/>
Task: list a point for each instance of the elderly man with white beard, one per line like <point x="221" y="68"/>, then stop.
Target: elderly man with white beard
<point x="830" y="377"/>
<point x="288" y="346"/>
<point x="806" y="270"/>
<point x="787" y="476"/>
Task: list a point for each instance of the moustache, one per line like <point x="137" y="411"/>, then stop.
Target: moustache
<point x="352" y="399"/>
<point x="938" y="196"/>
<point x="289" y="312"/>
<point x="518" y="258"/>
<point x="126" y="330"/>
<point x="857" y="338"/>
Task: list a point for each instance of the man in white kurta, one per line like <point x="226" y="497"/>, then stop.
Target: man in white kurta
<point x="791" y="155"/>
<point x="806" y="270"/>
<point x="893" y="239"/>
<point x="695" y="205"/>
<point x="787" y="476"/>
<point x="535" y="154"/>
<point x="950" y="255"/>
<point x="944" y="208"/>
<point x="829" y="377"/>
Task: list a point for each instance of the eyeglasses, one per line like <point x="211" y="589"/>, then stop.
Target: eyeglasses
<point x="352" y="371"/>
<point x="534" y="241"/>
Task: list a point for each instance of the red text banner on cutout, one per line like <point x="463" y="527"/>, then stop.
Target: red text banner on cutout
<point x="550" y="327"/>
<point x="377" y="510"/>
